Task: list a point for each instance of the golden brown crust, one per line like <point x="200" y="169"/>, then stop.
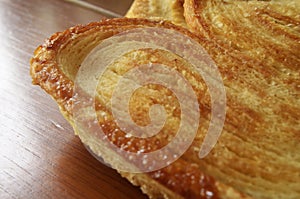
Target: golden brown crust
<point x="262" y="111"/>
<point x="251" y="27"/>
<point x="54" y="69"/>
<point x="151" y="187"/>
<point x="171" y="10"/>
<point x="262" y="40"/>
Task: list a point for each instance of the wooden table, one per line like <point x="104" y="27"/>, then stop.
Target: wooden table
<point x="40" y="156"/>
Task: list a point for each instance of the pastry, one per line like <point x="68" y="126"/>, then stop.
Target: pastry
<point x="54" y="67"/>
<point x="264" y="37"/>
<point x="171" y="10"/>
<point x="256" y="28"/>
<point x="257" y="154"/>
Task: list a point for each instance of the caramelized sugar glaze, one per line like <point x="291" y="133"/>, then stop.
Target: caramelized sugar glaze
<point x="56" y="76"/>
<point x="260" y="139"/>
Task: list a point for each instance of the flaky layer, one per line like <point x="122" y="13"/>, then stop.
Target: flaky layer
<point x="264" y="30"/>
<point x="262" y="40"/>
<point x="171" y="10"/>
<point x="258" y="151"/>
<point x="54" y="67"/>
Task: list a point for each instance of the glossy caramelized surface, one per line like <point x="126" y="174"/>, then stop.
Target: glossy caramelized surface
<point x="258" y="151"/>
<point x="39" y="155"/>
<point x="53" y="73"/>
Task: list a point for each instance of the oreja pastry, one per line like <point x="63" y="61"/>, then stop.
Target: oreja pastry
<point x="265" y="37"/>
<point x="257" y="154"/>
<point x="54" y="67"/>
<point x="266" y="32"/>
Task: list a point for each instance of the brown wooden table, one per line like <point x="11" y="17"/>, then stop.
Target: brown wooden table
<point x="40" y="156"/>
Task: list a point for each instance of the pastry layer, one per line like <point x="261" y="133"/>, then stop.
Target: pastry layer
<point x="171" y="10"/>
<point x="260" y="64"/>
<point x="54" y="67"/>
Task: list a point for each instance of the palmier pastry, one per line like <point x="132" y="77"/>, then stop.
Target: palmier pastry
<point x="257" y="154"/>
<point x="268" y="33"/>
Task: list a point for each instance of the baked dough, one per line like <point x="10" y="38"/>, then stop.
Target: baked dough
<point x="264" y="38"/>
<point x="171" y="10"/>
<point x="259" y="29"/>
<point x="54" y="67"/>
<point x="257" y="154"/>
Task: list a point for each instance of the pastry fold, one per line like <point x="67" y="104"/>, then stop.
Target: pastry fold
<point x="255" y="45"/>
<point x="54" y="67"/>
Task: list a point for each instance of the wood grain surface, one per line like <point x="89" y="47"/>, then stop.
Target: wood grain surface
<point x="40" y="156"/>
